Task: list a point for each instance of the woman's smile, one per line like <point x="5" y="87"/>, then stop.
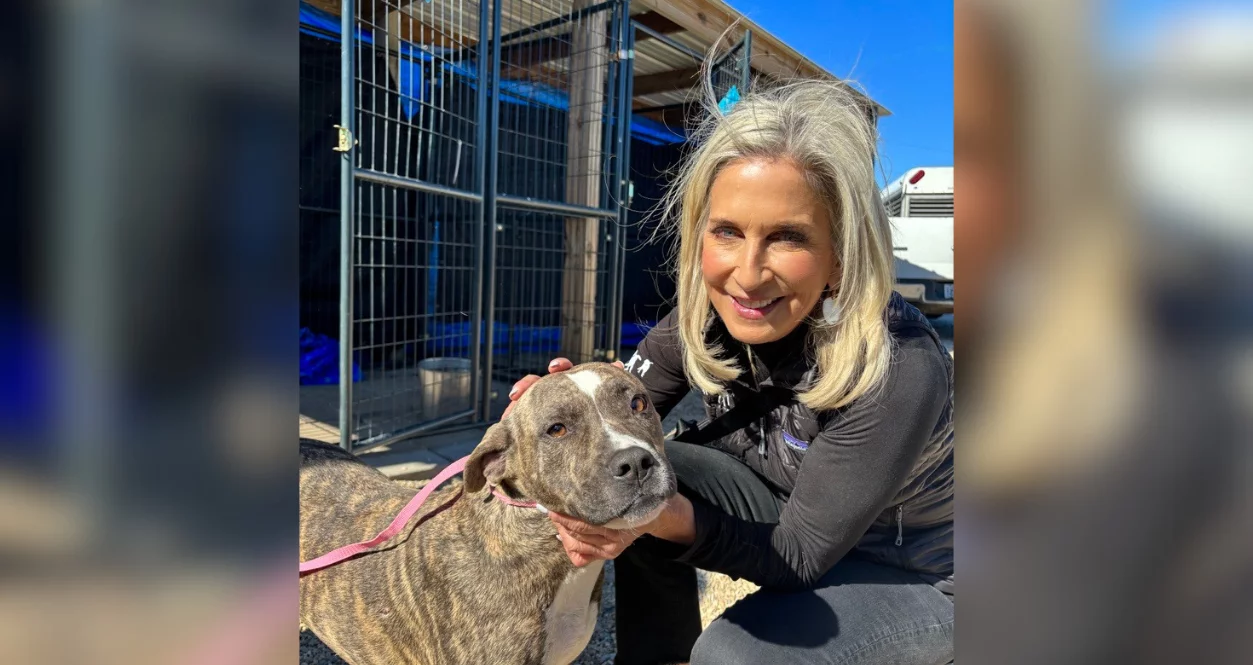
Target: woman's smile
<point x="754" y="309"/>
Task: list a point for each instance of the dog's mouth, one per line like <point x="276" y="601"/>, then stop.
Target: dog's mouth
<point x="644" y="509"/>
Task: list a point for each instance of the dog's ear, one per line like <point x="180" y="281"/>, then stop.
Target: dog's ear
<point x="487" y="462"/>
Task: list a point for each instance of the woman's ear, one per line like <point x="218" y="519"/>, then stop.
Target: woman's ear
<point x="487" y="464"/>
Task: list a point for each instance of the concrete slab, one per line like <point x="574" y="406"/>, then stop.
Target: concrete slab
<point x="460" y="449"/>
<point x="418" y="464"/>
<point x="420" y="458"/>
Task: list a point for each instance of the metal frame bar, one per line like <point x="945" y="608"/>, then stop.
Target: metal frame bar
<point x="376" y="177"/>
<point x="611" y="148"/>
<point x="668" y="41"/>
<point x="347" y="205"/>
<point x="489" y="211"/>
<point x="747" y="75"/>
<point x="479" y="388"/>
<point x="396" y="437"/>
<point x="541" y="205"/>
<point x="628" y="96"/>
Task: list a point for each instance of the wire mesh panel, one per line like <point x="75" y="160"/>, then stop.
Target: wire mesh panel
<point x="416" y="267"/>
<point x="730" y="74"/>
<point x="461" y="231"/>
<point x="319" y="232"/>
<point x="560" y="139"/>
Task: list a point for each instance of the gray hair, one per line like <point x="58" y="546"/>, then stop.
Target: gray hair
<point x="826" y="130"/>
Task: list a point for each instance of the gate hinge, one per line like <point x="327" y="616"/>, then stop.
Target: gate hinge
<point x="345" y="141"/>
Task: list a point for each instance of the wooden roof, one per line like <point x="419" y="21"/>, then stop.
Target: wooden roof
<point x="664" y="76"/>
<point x="700" y="23"/>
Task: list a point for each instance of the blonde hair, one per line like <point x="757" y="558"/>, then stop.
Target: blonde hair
<point x="826" y="130"/>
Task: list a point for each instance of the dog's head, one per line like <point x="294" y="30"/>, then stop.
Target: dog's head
<point x="586" y="443"/>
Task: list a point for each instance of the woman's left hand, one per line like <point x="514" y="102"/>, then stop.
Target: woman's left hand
<point x="586" y="543"/>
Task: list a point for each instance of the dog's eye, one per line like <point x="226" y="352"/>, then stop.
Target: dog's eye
<point x="639" y="404"/>
<point x="558" y="430"/>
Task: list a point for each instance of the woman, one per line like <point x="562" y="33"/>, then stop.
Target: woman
<point x="831" y="484"/>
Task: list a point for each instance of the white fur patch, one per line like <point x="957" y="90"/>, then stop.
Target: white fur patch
<point x="587" y="381"/>
<point x="619" y="523"/>
<point x="622" y="441"/>
<point x="571" y="618"/>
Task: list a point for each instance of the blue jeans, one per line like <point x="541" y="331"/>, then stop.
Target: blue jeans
<point x="860" y="611"/>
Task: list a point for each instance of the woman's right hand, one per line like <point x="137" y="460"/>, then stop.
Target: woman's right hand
<point x="557" y="365"/>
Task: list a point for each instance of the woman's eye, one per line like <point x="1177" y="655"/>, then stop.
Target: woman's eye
<point x="794" y="238"/>
<point x="557" y="430"/>
<point x="723" y="232"/>
<point x="639" y="404"/>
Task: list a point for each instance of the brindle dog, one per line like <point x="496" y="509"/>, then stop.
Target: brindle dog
<point x="481" y="581"/>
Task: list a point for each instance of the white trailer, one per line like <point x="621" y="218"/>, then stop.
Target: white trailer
<point x="920" y="205"/>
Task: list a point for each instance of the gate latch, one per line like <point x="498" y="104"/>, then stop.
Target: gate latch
<point x="345" y="141"/>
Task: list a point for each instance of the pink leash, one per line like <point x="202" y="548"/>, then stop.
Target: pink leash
<point x="402" y="518"/>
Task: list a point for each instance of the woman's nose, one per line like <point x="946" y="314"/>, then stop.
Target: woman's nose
<point x="752" y="270"/>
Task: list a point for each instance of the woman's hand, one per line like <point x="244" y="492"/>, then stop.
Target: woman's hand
<point x="557" y="365"/>
<point x="586" y="543"/>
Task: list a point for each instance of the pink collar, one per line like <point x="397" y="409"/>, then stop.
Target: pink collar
<point x="504" y="498"/>
<point x="346" y="552"/>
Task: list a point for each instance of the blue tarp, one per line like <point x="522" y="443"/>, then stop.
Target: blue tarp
<point x="452" y="338"/>
<point x="319" y="354"/>
<point x="27" y="389"/>
<point x="633" y="333"/>
<point x="416" y="78"/>
<point x="319" y="360"/>
<point x="728" y="100"/>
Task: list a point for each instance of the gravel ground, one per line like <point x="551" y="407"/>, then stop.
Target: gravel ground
<point x="718" y="592"/>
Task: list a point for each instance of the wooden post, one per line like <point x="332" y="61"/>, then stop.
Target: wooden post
<point x="589" y="63"/>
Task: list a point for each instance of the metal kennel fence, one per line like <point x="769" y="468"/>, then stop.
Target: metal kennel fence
<point x="465" y="173"/>
<point x="480" y="150"/>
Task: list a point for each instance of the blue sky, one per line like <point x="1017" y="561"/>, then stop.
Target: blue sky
<point x="900" y="52"/>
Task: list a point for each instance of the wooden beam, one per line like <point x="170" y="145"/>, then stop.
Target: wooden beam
<point x="589" y="62"/>
<point x="536" y="51"/>
<point x="671" y="115"/>
<point x="657" y="22"/>
<point x="557" y="47"/>
<point x="329" y="6"/>
<point x="677" y="79"/>
<point x="707" y="19"/>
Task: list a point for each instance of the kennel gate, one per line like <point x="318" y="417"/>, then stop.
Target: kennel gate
<point x="483" y="152"/>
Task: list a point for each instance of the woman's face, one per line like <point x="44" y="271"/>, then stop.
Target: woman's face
<point x="767" y="253"/>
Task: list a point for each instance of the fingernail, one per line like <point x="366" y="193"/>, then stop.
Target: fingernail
<point x="552" y="364"/>
<point x="513" y="393"/>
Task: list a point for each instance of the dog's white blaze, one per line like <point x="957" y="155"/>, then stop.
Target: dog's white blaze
<point x="622" y="441"/>
<point x="571" y="618"/>
<point x="587" y="381"/>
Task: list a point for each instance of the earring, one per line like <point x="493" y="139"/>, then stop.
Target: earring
<point x="830" y="310"/>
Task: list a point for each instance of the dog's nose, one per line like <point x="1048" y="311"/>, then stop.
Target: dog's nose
<point x="633" y="464"/>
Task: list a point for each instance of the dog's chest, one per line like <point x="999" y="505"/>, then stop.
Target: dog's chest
<point x="571" y="618"/>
